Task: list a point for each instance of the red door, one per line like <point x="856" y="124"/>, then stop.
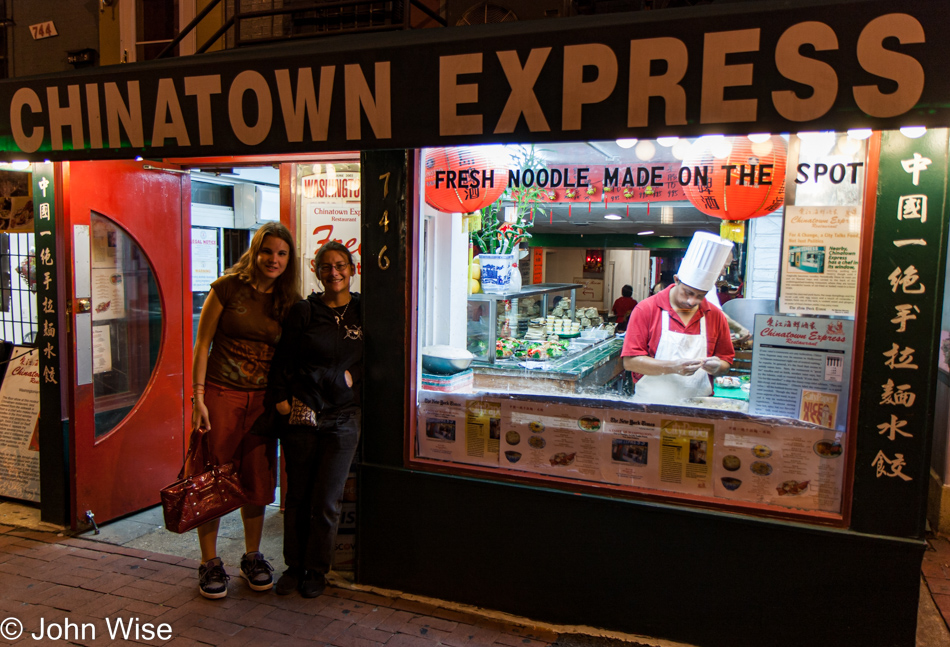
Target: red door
<point x="131" y="324"/>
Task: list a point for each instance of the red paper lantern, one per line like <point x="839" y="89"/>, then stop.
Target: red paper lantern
<point x="468" y="179"/>
<point x="746" y="195"/>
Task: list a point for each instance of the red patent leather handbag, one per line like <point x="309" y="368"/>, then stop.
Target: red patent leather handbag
<point x="212" y="492"/>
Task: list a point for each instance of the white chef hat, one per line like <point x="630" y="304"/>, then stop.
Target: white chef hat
<point x="701" y="266"/>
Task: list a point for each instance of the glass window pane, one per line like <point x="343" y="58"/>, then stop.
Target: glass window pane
<point x="544" y="272"/>
<point x="126" y="322"/>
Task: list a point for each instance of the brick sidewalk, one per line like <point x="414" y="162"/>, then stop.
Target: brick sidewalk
<point x="936" y="572"/>
<point x="53" y="577"/>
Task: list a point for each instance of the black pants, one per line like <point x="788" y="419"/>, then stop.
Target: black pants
<point x="318" y="461"/>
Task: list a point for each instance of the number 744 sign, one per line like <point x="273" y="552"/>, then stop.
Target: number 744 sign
<point x="43" y="30"/>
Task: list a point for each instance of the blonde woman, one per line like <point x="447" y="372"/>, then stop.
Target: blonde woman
<point x="238" y="332"/>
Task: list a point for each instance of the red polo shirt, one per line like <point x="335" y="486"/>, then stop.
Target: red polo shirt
<point x="646" y="324"/>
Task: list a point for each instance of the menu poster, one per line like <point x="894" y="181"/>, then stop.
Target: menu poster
<point x="686" y="452"/>
<point x="106" y="244"/>
<point x="554" y="440"/>
<point x="204" y="258"/>
<point x="16" y="202"/>
<point x="441" y="427"/>
<point x="820" y="260"/>
<point x="330" y="210"/>
<point x="801" y="368"/>
<point x="19" y="415"/>
<point x="944" y="354"/>
<point x="101" y="349"/>
<point x="631" y="453"/>
<point x="786" y="466"/>
<point x="451" y="428"/>
<point x="482" y="431"/>
<point x="108" y="295"/>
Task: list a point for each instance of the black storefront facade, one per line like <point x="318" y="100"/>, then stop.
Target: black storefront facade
<point x="676" y="569"/>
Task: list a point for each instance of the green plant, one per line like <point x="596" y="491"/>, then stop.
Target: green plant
<point x="496" y="236"/>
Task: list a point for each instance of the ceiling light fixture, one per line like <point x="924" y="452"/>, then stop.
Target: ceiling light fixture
<point x="645" y="233"/>
<point x="612" y="216"/>
<point x="913" y="132"/>
<point x="758" y="138"/>
<point x="645" y="151"/>
<point x="762" y="148"/>
<point x="859" y="133"/>
<point x="848" y="146"/>
<point x="721" y="148"/>
<point x="627" y="143"/>
<point x="667" y="141"/>
<point x="816" y="144"/>
<point x="681" y="149"/>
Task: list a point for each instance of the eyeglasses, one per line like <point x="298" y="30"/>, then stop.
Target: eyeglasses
<point x="339" y="267"/>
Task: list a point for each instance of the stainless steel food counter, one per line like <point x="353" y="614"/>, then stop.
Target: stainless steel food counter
<point x="594" y="366"/>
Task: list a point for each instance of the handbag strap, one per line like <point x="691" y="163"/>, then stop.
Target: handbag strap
<point x="197" y="443"/>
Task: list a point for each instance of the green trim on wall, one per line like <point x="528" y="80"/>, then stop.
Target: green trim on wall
<point x="604" y="241"/>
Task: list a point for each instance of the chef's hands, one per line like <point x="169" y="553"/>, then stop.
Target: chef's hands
<point x="714" y="365"/>
<point x="686" y="366"/>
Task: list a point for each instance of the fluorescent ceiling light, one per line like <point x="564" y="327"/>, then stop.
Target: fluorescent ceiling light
<point x="645" y="233"/>
<point x="613" y="216"/>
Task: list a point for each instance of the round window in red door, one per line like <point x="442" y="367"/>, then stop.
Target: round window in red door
<point x="126" y="322"/>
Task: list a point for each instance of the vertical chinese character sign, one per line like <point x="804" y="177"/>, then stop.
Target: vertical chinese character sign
<point x="892" y="469"/>
<point x="49" y="319"/>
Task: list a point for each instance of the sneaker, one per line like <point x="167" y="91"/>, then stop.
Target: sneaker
<point x="257" y="572"/>
<point x="213" y="579"/>
<point x="312" y="584"/>
<point x="290" y="580"/>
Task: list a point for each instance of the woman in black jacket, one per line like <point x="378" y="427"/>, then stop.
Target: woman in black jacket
<point x="316" y="377"/>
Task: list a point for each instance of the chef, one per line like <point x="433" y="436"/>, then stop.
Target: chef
<point x="677" y="341"/>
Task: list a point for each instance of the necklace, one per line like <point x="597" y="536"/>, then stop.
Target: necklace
<point x="339" y="317"/>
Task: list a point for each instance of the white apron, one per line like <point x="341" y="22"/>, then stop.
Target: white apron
<point x="672" y="388"/>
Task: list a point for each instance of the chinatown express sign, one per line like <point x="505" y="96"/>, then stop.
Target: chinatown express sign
<point x="733" y="69"/>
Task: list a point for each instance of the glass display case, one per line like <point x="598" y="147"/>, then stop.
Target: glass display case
<point x="483" y="330"/>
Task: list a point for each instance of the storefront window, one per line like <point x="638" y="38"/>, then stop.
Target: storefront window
<point x="542" y="351"/>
